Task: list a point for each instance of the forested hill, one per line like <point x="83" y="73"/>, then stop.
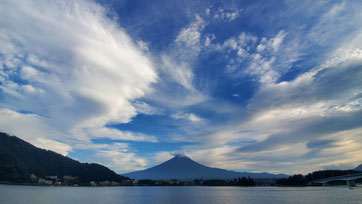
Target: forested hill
<point x="19" y="159"/>
<point x="300" y="180"/>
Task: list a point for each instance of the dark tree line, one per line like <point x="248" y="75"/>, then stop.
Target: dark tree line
<point x="199" y="182"/>
<point x="300" y="180"/>
<point x="295" y="180"/>
<point x="246" y="181"/>
<point x="235" y="182"/>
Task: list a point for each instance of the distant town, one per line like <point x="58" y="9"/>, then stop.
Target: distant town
<point x="75" y="181"/>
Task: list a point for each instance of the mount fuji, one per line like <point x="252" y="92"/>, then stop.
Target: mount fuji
<point x="182" y="167"/>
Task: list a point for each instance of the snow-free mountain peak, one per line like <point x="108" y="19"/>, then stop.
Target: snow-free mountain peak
<point x="184" y="168"/>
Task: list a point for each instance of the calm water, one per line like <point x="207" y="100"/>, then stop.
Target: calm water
<point x="194" y="194"/>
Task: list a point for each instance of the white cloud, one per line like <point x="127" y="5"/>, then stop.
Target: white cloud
<point x="262" y="58"/>
<point x="241" y="44"/>
<point x="116" y="134"/>
<point x="116" y="156"/>
<point x="207" y="41"/>
<point x="336" y="9"/>
<point x="54" y="145"/>
<point x="177" y="87"/>
<point x="261" y="62"/>
<point x="209" y="38"/>
<point x="189" y="38"/>
<point x="119" y="161"/>
<point x="34" y="129"/>
<point x="207" y="11"/>
<point x="277" y="40"/>
<point x="340" y="19"/>
<point x="76" y="74"/>
<point x="188" y="116"/>
<point x="179" y="72"/>
<point x="145" y="108"/>
<point x="227" y="14"/>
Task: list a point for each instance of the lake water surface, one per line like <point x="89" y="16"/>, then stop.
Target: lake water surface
<point x="193" y="194"/>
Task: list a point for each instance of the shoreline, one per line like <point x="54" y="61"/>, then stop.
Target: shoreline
<point x="22" y="184"/>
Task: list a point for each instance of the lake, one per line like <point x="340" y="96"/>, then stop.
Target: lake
<point x="188" y="194"/>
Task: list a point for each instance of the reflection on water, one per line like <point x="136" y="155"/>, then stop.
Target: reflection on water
<point x="192" y="194"/>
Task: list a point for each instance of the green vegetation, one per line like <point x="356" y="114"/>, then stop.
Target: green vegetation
<point x="21" y="162"/>
<point x="300" y="180"/>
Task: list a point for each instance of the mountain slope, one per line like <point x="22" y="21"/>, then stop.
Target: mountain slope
<point x="358" y="168"/>
<point x="19" y="159"/>
<point x="183" y="168"/>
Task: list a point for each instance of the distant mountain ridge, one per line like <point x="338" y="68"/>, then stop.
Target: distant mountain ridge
<point x="19" y="159"/>
<point x="182" y="167"/>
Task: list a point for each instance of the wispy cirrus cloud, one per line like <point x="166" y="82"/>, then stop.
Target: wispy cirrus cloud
<point x="177" y="88"/>
<point x="188" y="116"/>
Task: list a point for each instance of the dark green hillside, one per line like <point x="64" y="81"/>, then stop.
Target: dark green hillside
<point x="19" y="159"/>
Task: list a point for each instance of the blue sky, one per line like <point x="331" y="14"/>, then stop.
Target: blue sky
<point x="242" y="85"/>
